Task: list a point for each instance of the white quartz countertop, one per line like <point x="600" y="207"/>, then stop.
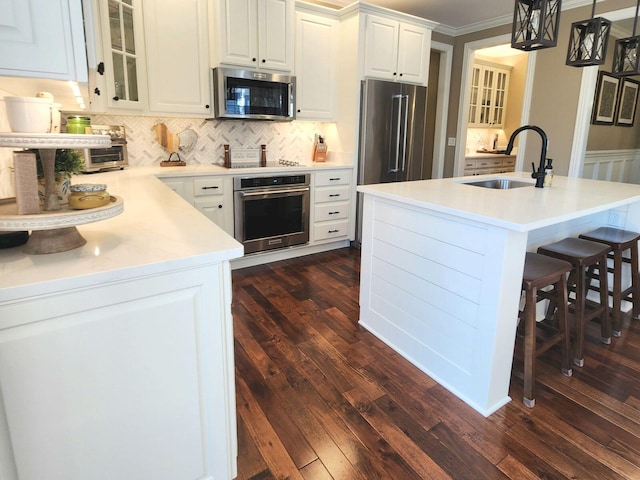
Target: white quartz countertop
<point x="272" y="168"/>
<point x="487" y="155"/>
<point x="157" y="231"/>
<point x="520" y="209"/>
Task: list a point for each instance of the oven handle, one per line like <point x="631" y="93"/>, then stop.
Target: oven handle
<point x="273" y="192"/>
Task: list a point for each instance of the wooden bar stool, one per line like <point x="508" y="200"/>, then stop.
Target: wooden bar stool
<point x="542" y="271"/>
<point x="582" y="255"/>
<point x="620" y="241"/>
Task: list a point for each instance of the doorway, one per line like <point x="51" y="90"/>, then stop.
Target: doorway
<point x="444" y="54"/>
<point x="463" y="131"/>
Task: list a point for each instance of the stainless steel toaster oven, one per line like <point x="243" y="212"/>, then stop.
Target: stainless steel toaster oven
<point x="110" y="158"/>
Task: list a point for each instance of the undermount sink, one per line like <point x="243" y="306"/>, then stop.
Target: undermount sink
<point x="499" y="183"/>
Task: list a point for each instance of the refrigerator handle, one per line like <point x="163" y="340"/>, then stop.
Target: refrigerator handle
<point x="405" y="120"/>
<point x="396" y="167"/>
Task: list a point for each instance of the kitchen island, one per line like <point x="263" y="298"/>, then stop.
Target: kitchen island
<point x="442" y="265"/>
<point x="116" y="358"/>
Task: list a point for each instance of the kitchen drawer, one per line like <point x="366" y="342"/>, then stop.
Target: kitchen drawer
<point x="207" y="186"/>
<point x="489" y="163"/>
<point x="334" y="177"/>
<point x="331" y="211"/>
<point x="330" y="230"/>
<point x="332" y="194"/>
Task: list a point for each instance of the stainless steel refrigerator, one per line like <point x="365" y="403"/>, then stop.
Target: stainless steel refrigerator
<point x="392" y="129"/>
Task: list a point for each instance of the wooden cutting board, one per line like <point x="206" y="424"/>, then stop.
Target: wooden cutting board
<point x="168" y="140"/>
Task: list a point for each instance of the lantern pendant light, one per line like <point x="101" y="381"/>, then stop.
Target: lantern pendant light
<point x="588" y="42"/>
<point x="626" y="60"/>
<point x="535" y="24"/>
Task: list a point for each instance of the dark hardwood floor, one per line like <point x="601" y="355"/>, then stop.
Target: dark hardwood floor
<point x="319" y="398"/>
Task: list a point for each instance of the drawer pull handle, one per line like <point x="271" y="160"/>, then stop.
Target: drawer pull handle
<point x="333" y="231"/>
<point x="209" y="188"/>
<point x="333" y="213"/>
<point x="334" y="195"/>
<point x="334" y="179"/>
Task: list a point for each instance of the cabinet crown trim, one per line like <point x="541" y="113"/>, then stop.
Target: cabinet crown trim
<point x="360" y="7"/>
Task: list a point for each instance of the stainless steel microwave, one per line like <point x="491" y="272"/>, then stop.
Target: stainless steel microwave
<point x="252" y="95"/>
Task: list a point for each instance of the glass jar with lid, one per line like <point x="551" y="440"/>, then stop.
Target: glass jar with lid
<point x="88" y="195"/>
<point x="78" y="124"/>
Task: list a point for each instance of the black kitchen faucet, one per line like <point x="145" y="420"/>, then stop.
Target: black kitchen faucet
<point x="538" y="175"/>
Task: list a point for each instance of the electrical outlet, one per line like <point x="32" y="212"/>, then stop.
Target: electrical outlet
<point x="617" y="218"/>
<point x="451" y="141"/>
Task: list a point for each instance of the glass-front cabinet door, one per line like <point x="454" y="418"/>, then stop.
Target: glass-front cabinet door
<point x="488" y="95"/>
<point x="122" y="37"/>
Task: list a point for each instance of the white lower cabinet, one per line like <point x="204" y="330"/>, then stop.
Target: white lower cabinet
<point x="331" y="209"/>
<point x="131" y="378"/>
<point x="331" y="205"/>
<point x="211" y="195"/>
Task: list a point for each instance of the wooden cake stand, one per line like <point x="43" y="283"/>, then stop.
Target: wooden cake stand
<point x="52" y="230"/>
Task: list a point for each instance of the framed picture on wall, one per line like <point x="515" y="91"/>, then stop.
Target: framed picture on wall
<point x="606" y="99"/>
<point x="627" y="103"/>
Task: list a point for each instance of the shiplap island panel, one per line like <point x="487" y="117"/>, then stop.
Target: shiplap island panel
<point x="442" y="266"/>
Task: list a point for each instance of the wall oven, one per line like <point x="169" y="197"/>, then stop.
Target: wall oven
<point x="271" y="212"/>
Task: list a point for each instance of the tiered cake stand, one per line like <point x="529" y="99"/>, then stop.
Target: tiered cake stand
<point x="54" y="229"/>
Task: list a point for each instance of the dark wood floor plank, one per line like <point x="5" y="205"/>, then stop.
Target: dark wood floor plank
<point x="321" y="398"/>
<point x="316" y="471"/>
<point x="265" y="438"/>
<point x="515" y="470"/>
<point x="252" y="463"/>
<point x="398" y="434"/>
<point x="275" y="410"/>
<point x="389" y="464"/>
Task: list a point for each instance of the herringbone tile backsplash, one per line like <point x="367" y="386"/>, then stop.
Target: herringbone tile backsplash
<point x="291" y="141"/>
<point x="287" y="140"/>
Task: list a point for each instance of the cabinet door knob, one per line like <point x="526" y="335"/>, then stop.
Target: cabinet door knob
<point x="220" y="206"/>
<point x="400" y="74"/>
<point x="116" y="98"/>
<point x="253" y="59"/>
<point x="206" y="106"/>
<point x="395" y="73"/>
<point x="100" y="68"/>
<point x="264" y="61"/>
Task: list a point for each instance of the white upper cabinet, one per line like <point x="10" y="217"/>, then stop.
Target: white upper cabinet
<point x="155" y="56"/>
<point x="317" y="43"/>
<point x="395" y="50"/>
<point x="255" y="33"/>
<point x="123" y="54"/>
<point x="488" y="96"/>
<point x="42" y="39"/>
<point x="177" y="56"/>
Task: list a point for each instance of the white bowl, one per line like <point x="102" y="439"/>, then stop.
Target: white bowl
<point x="29" y="114"/>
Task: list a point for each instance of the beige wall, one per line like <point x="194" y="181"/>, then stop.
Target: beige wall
<point x="513" y="118"/>
<point x="555" y="90"/>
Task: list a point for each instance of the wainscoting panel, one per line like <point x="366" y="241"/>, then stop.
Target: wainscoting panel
<point x="612" y="165"/>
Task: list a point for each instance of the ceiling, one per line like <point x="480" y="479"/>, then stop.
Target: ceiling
<point x="455" y="17"/>
<point x="456" y="14"/>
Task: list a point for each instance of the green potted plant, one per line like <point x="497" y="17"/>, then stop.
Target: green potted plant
<point x="68" y="162"/>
